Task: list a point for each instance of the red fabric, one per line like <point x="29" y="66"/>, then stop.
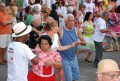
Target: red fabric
<point x="33" y="77"/>
<point x="77" y="24"/>
<point x="47" y="70"/>
<point x="116" y="29"/>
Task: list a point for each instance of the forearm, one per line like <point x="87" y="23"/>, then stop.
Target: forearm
<point x="57" y="65"/>
<point x="64" y="47"/>
<point x="104" y="30"/>
<point x="6" y="23"/>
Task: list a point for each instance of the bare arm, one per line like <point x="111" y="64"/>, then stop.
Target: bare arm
<point x="65" y="47"/>
<point x="105" y="30"/>
<point x="6" y="22"/>
<point x="54" y="64"/>
<point x="35" y="60"/>
<point x="81" y="38"/>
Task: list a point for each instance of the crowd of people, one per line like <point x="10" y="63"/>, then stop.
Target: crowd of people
<point x="48" y="37"/>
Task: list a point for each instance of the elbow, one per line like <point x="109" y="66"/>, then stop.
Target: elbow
<point x="35" y="61"/>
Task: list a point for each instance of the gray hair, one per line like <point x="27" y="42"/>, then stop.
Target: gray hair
<point x="35" y="17"/>
<point x="105" y="13"/>
<point x="35" y="9"/>
<point x="68" y="15"/>
<point x="70" y="9"/>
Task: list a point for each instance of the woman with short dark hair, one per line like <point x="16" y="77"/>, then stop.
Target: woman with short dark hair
<point x="48" y="60"/>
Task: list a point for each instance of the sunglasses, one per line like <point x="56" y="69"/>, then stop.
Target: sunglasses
<point x="44" y="12"/>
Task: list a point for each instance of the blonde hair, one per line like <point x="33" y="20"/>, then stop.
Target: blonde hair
<point x="47" y="10"/>
<point x="48" y="26"/>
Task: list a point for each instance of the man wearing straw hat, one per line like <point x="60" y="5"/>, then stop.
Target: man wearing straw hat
<point x="108" y="70"/>
<point x="19" y="54"/>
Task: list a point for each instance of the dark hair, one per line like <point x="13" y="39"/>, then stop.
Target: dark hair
<point x="47" y="26"/>
<point x="87" y="15"/>
<point x="63" y="3"/>
<point x="45" y="37"/>
<point x="27" y="9"/>
<point x="54" y="6"/>
<point x="74" y="13"/>
<point x="37" y="1"/>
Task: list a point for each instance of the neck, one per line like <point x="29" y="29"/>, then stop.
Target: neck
<point x="103" y="18"/>
<point x="18" y="40"/>
<point x="46" y="51"/>
<point x="69" y="27"/>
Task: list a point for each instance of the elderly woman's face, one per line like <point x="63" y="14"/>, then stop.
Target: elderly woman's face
<point x="2" y="7"/>
<point x="55" y="29"/>
<point x="44" y="46"/>
<point x="44" y="13"/>
<point x="111" y="76"/>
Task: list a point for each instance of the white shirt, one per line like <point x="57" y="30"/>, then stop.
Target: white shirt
<point x="25" y="3"/>
<point x="117" y="3"/>
<point x="99" y="25"/>
<point x="55" y="45"/>
<point x="18" y="56"/>
<point x="89" y="7"/>
<point x="62" y="10"/>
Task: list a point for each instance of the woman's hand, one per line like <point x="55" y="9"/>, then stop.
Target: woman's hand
<point x="49" y="62"/>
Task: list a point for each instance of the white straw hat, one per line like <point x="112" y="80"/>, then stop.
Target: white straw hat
<point x="21" y="29"/>
<point x="107" y="65"/>
<point x="110" y="7"/>
<point x="100" y="1"/>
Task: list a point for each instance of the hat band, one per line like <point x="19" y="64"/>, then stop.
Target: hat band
<point x="21" y="31"/>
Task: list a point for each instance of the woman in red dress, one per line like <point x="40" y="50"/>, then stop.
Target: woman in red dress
<point x="48" y="60"/>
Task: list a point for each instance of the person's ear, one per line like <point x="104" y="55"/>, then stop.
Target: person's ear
<point x="99" y="77"/>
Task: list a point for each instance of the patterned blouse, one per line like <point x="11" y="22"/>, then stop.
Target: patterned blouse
<point x="41" y="69"/>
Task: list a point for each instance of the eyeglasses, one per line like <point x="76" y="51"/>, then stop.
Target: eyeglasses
<point x="44" y="12"/>
<point x="112" y="76"/>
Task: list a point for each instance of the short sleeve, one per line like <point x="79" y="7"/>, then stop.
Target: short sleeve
<point x="28" y="53"/>
<point x="57" y="57"/>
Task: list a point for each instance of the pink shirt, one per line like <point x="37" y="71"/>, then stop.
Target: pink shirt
<point x="38" y="69"/>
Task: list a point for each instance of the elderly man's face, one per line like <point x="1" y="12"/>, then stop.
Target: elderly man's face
<point x="70" y="22"/>
<point x="107" y="17"/>
<point x="111" y="76"/>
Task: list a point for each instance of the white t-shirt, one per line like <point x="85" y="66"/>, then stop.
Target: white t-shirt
<point x="99" y="24"/>
<point x="18" y="56"/>
<point x="89" y="7"/>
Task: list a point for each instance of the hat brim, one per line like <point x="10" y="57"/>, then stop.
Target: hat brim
<point x="28" y="30"/>
<point x="101" y="2"/>
<point x="109" y="9"/>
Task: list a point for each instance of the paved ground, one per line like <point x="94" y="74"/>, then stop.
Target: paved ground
<point x="87" y="70"/>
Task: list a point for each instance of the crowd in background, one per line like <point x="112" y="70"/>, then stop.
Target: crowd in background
<point x="53" y="34"/>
